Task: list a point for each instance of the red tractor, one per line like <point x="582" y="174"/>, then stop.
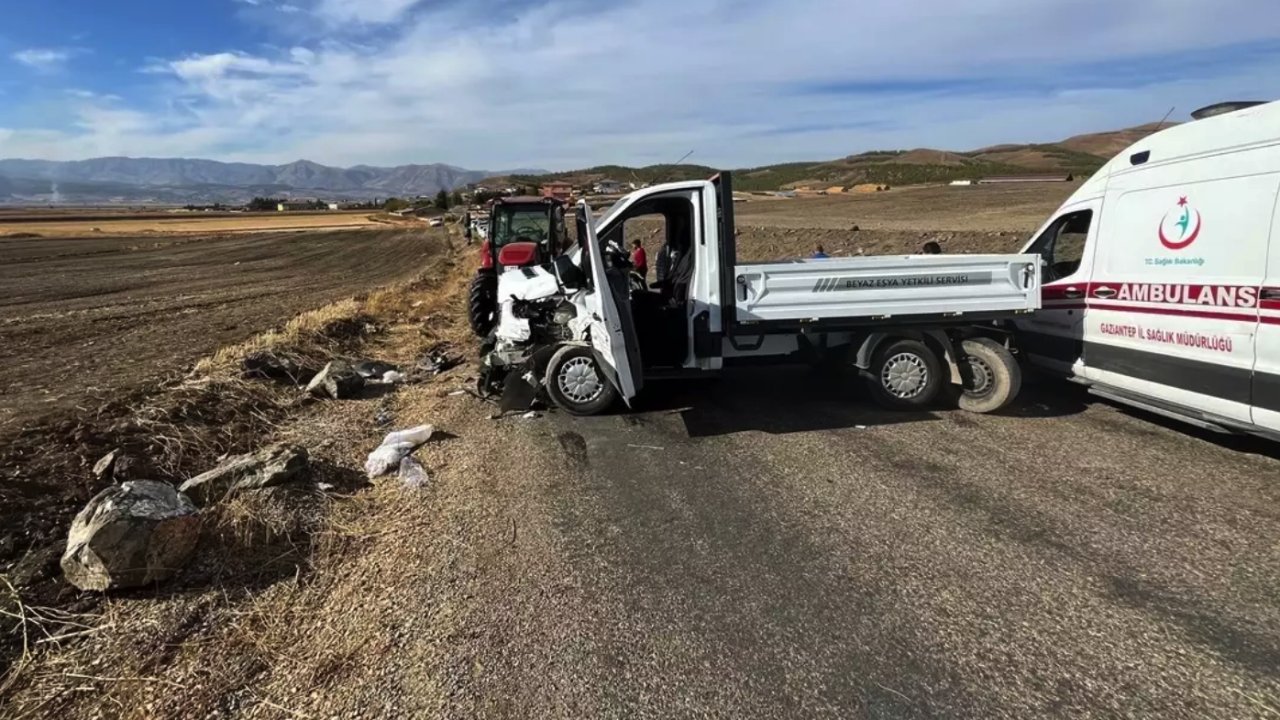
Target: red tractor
<point x="523" y="231"/>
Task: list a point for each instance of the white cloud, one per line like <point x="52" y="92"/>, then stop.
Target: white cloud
<point x="566" y="83"/>
<point x="43" y="59"/>
<point x="363" y="11"/>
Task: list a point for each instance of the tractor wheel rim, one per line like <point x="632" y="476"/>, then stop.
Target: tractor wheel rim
<point x="579" y="381"/>
<point x="983" y="378"/>
<point x="905" y="375"/>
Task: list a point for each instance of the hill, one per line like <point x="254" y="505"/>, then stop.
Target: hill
<point x="168" y="180"/>
<point x="1078" y="155"/>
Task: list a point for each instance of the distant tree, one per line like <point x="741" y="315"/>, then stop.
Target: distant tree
<point x="395" y="204"/>
<point x="442" y="200"/>
<point x="455" y="199"/>
<point x="483" y="196"/>
<point x="263" y="204"/>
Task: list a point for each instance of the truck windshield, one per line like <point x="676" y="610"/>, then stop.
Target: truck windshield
<point x="521" y="225"/>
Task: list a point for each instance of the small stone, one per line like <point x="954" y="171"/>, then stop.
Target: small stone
<point x="273" y="465"/>
<point x="337" y="380"/>
<point x="104" y="469"/>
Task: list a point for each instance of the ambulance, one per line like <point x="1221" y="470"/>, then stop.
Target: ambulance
<point x="1161" y="275"/>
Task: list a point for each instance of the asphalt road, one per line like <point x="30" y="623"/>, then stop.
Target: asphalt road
<point x="771" y="546"/>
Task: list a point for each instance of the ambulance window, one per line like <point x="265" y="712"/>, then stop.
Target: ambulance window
<point x="1062" y="244"/>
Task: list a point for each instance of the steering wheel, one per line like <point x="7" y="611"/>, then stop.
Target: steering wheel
<point x="527" y="231"/>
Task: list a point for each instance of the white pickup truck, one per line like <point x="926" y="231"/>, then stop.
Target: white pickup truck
<point x="585" y="330"/>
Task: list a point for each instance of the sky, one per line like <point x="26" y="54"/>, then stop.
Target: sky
<point x="560" y="84"/>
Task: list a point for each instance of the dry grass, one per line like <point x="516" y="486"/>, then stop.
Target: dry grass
<point x="197" y="643"/>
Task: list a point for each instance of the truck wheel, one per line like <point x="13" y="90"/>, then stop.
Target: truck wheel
<point x="991" y="376"/>
<point x="904" y="375"/>
<point x="482" y="303"/>
<point x="576" y="383"/>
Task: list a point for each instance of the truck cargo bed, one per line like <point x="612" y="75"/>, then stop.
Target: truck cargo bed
<point x="883" y="287"/>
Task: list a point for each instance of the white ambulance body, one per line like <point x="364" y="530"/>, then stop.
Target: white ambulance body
<point x="1162" y="277"/>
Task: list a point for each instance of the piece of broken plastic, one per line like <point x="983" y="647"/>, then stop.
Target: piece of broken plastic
<point x="392" y="376"/>
<point x="395" y="447"/>
<point x="412" y="474"/>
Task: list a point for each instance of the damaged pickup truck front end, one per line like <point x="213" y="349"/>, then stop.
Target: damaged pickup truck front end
<point x="559" y="337"/>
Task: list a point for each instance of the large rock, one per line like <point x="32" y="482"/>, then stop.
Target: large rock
<point x="137" y="533"/>
<point x="274" y="465"/>
<point x="337" y="380"/>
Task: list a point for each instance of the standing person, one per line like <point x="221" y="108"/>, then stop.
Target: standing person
<point x="819" y="253"/>
<point x="639" y="260"/>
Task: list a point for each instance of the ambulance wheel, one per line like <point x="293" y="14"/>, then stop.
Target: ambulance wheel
<point x="482" y="303"/>
<point x="576" y="383"/>
<point x="904" y="375"/>
<point x="990" y="376"/>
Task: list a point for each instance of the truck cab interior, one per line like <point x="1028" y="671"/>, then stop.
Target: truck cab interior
<point x="660" y="310"/>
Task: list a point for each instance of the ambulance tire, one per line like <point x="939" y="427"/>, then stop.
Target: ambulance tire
<point x="482" y="303"/>
<point x="990" y="375"/>
<point x="905" y="374"/>
<point x="576" y="383"/>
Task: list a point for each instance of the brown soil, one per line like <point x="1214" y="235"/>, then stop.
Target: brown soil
<point x="978" y="208"/>
<point x="73" y="225"/>
<point x="87" y="317"/>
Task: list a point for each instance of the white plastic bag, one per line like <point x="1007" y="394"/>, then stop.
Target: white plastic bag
<point x="395" y="447"/>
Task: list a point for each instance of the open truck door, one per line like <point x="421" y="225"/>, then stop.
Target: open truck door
<point x="613" y="334"/>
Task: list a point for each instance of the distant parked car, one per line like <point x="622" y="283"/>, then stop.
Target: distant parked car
<point x="436" y="222"/>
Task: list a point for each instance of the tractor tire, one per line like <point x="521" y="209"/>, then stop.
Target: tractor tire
<point x="905" y="374"/>
<point x="482" y="303"/>
<point x="991" y="376"/>
<point x="576" y="384"/>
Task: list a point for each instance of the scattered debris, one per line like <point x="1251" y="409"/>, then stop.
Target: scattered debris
<point x="412" y="474"/>
<point x="383" y="417"/>
<point x="274" y="465"/>
<point x="437" y="360"/>
<point x="105" y="468"/>
<point x="132" y="534"/>
<point x="392" y="377"/>
<point x="273" y="366"/>
<point x="395" y="447"/>
<point x="455" y="393"/>
<point x="325" y="487"/>
<point x="645" y="447"/>
<point x="860" y="427"/>
<point x="337" y="380"/>
<point x="373" y="369"/>
<point x="531" y="415"/>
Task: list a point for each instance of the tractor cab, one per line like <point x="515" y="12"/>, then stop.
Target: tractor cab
<point x="522" y="232"/>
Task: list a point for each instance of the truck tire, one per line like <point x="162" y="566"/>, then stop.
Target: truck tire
<point x="576" y="384"/>
<point x="482" y="303"/>
<point x="991" y="376"/>
<point x="904" y="375"/>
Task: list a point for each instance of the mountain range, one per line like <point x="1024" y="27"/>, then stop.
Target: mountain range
<point x="182" y="180"/>
<point x="1077" y="155"/>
